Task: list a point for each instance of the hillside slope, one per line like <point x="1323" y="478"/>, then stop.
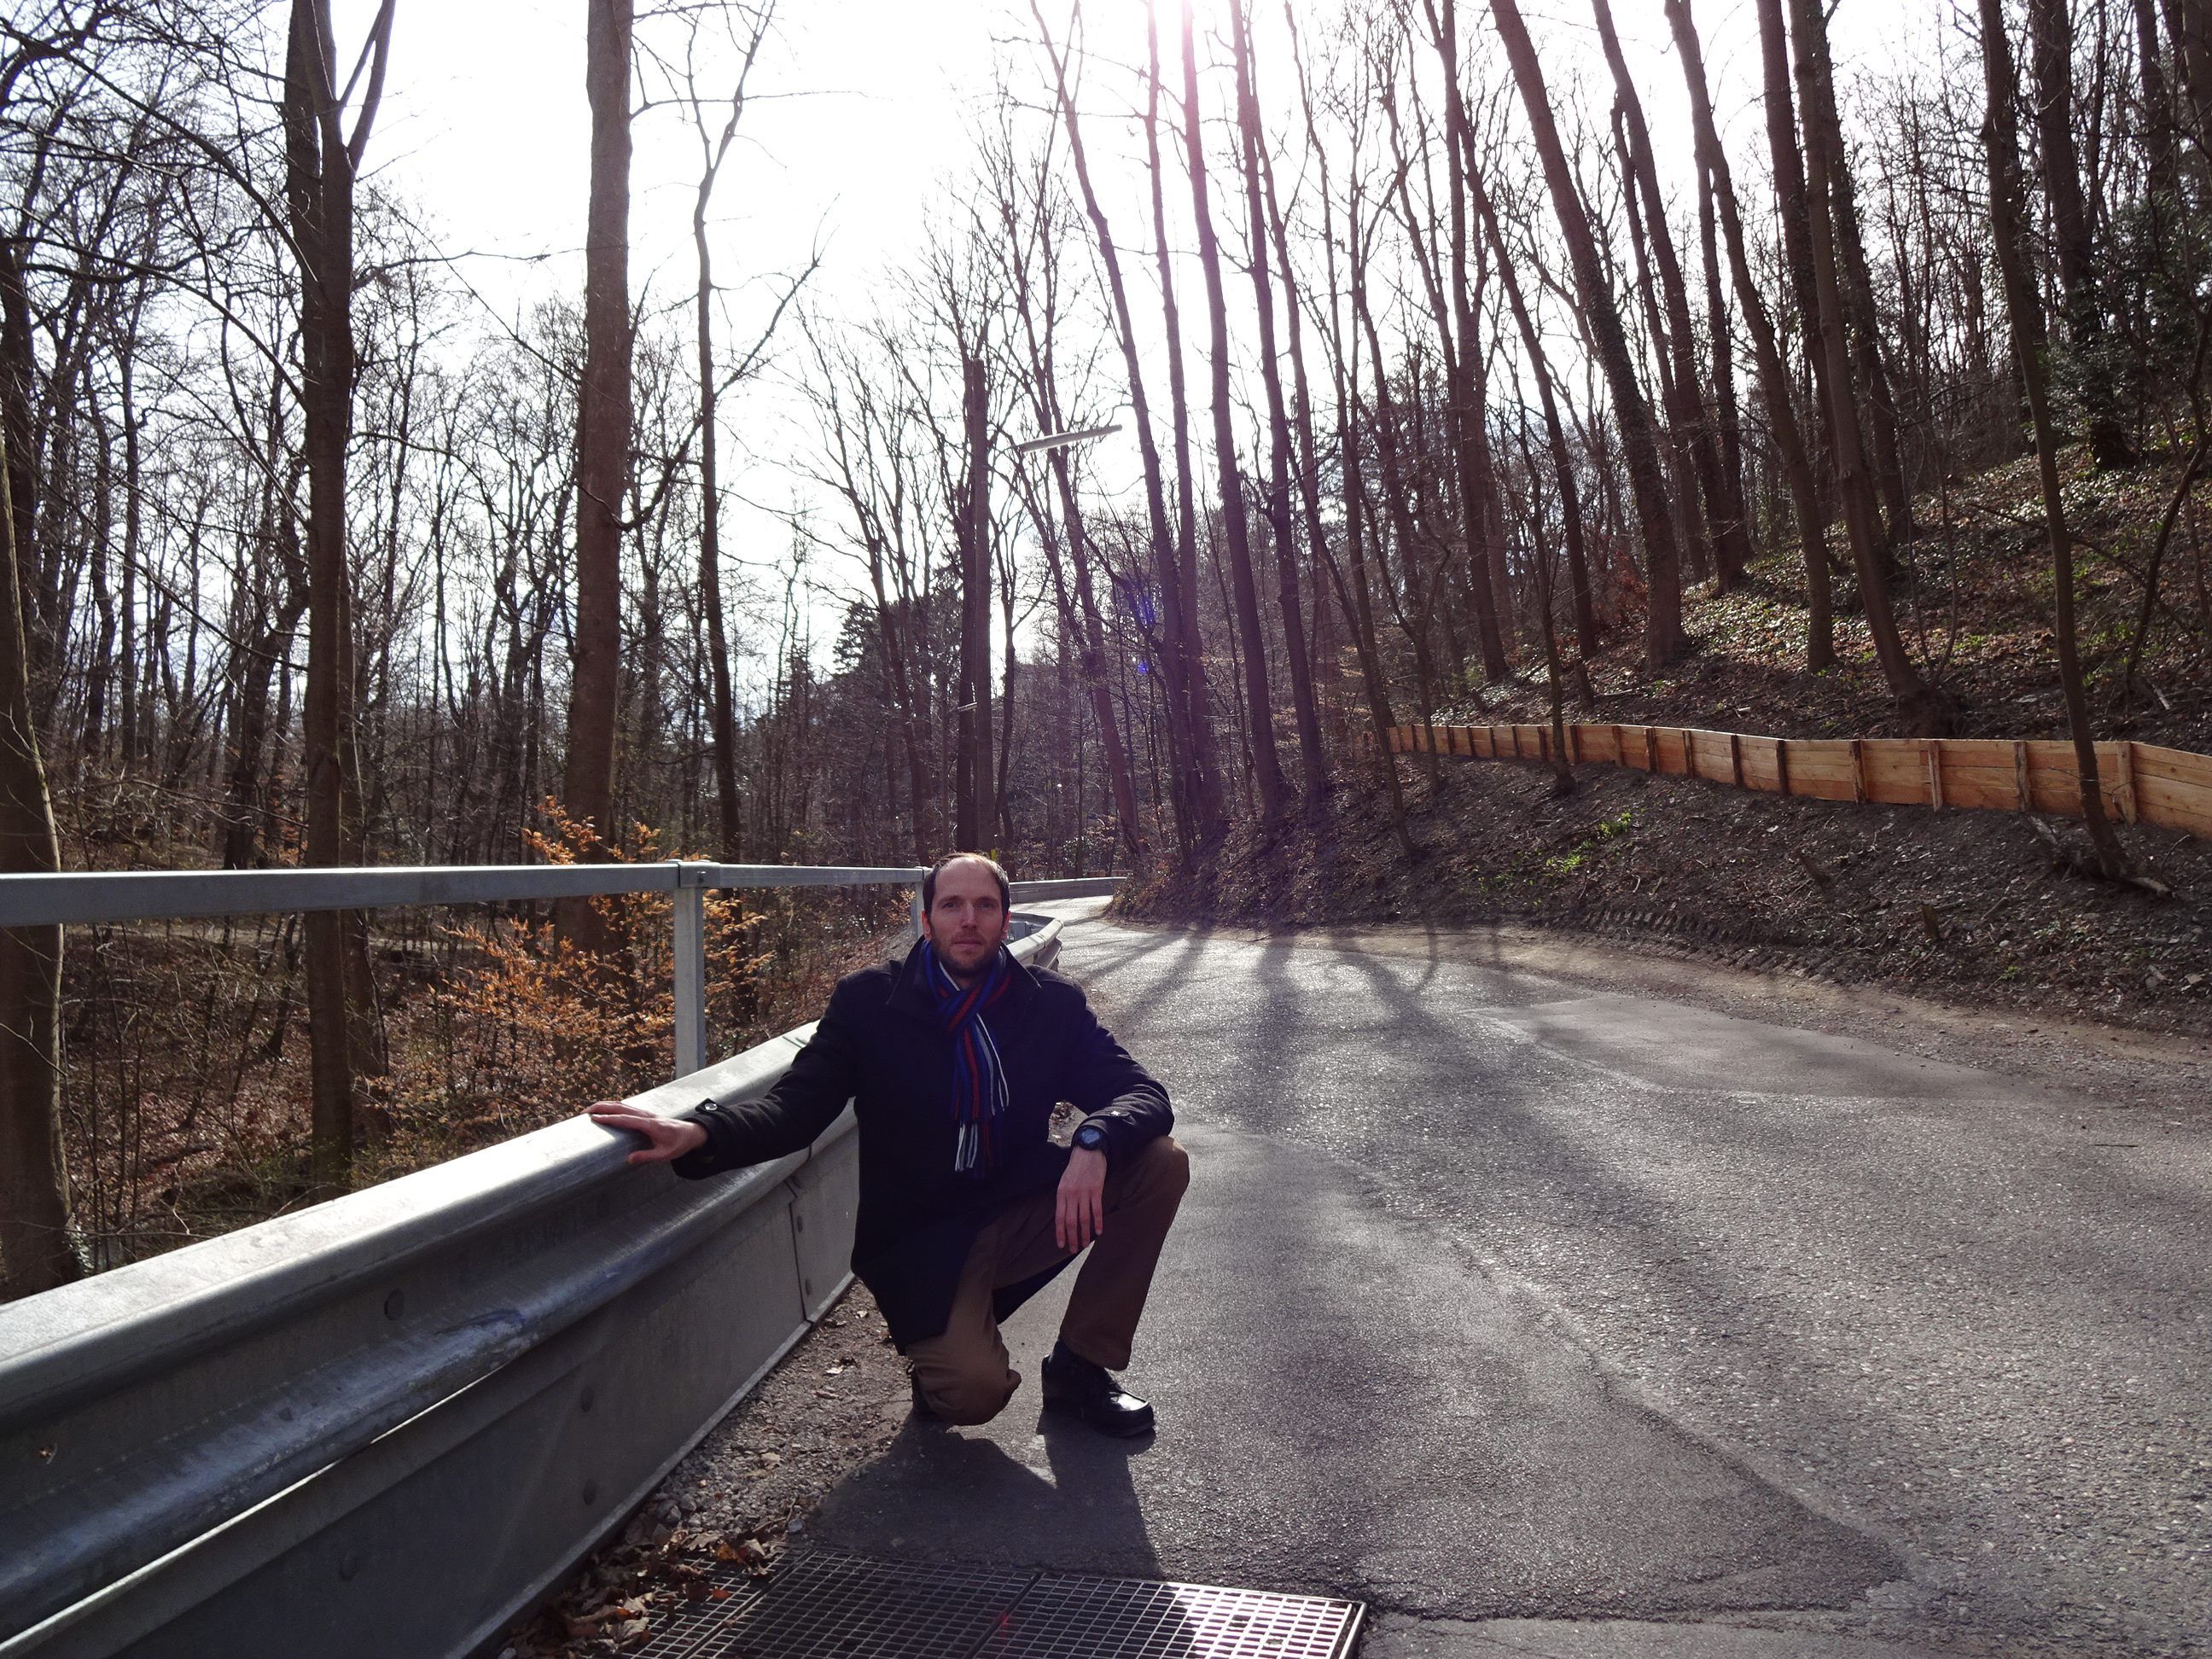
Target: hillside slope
<point x="1977" y="905"/>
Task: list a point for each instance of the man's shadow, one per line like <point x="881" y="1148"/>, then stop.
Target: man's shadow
<point x="958" y="1496"/>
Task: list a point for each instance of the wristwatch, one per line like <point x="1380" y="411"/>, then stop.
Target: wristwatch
<point x="1091" y="1138"/>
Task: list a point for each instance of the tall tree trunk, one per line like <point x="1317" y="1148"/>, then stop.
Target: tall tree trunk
<point x="603" y="444"/>
<point x="1266" y="765"/>
<point x="1722" y="333"/>
<point x="1563" y="461"/>
<point x="321" y="164"/>
<point x="1194" y="763"/>
<point x="1663" y="639"/>
<point x="1212" y="812"/>
<point x="1766" y="348"/>
<point x="2050" y="30"/>
<point x="1694" y="426"/>
<point x="2031" y="346"/>
<point x="721" y="715"/>
<point x="1834" y="219"/>
<point x="1353" y="596"/>
<point x="1494" y="600"/>
<point x="35" y="1250"/>
<point x="1540" y="555"/>
<point x="2156" y="114"/>
<point x="1699" y="559"/>
<point x="1862" y="517"/>
<point x="1788" y="163"/>
<point x="244" y="798"/>
<point x="1313" y="758"/>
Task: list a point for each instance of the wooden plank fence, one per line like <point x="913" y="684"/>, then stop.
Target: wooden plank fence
<point x="2171" y="788"/>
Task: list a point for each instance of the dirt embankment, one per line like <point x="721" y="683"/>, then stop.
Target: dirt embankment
<point x="1968" y="907"/>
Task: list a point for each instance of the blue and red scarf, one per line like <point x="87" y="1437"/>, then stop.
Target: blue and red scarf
<point x="979" y="1086"/>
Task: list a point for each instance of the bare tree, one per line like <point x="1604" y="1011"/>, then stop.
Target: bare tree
<point x="713" y="150"/>
<point x="35" y="1252"/>
<point x="1313" y="758"/>
<point x="2031" y="348"/>
<point x="2051" y="34"/>
<point x="1766" y="346"/>
<point x="322" y="163"/>
<point x="1631" y="414"/>
<point x="1259" y="699"/>
<point x="1924" y="709"/>
<point x="1695" y="428"/>
<point x="603" y="449"/>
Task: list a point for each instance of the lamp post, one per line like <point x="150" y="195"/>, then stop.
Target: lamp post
<point x="1062" y="439"/>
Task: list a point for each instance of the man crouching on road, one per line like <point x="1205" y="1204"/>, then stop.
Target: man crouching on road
<point x="952" y="1060"/>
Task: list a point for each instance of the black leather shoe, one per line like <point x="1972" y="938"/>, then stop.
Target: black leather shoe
<point x="1074" y="1385"/>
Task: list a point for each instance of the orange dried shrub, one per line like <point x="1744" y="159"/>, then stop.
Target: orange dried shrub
<point x="528" y="1029"/>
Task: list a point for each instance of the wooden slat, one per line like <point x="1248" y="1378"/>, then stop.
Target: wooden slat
<point x="1982" y="788"/>
<point x="1896" y="772"/>
<point x="2173" y="765"/>
<point x="2052" y="785"/>
<point x="2174" y="805"/>
<point x="1975" y="751"/>
<point x="1760" y="759"/>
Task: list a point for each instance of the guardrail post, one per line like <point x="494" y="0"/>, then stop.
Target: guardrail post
<point x="918" y="875"/>
<point x="690" y="968"/>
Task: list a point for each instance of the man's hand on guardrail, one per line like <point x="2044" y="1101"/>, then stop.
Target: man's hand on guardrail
<point x="668" y="1137"/>
<point x="1081" y="1215"/>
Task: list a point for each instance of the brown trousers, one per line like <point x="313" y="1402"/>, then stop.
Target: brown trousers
<point x="964" y="1374"/>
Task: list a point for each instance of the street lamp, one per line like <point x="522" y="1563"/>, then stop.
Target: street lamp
<point x="1061" y="439"/>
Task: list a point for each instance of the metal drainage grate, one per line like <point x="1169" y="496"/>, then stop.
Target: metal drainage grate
<point x="829" y="1606"/>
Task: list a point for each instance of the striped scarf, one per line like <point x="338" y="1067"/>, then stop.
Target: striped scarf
<point x="979" y="1086"/>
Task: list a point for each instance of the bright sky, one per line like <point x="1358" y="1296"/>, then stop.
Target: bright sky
<point x="863" y="116"/>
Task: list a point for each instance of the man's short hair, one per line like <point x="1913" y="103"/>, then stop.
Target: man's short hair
<point x="929" y="880"/>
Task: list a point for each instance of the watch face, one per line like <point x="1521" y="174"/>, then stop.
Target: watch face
<point x="1089" y="1137"/>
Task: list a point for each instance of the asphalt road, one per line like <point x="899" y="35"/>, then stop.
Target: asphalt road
<point x="1552" y="1319"/>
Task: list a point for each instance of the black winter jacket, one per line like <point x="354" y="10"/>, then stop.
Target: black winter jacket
<point x="880" y="1046"/>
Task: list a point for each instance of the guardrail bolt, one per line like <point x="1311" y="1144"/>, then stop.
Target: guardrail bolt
<point x="395" y="1304"/>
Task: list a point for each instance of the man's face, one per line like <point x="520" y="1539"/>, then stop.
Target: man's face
<point x="967" y="920"/>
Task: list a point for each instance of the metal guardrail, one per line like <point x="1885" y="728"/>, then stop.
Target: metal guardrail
<point x="390" y="1423"/>
<point x="79" y="897"/>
